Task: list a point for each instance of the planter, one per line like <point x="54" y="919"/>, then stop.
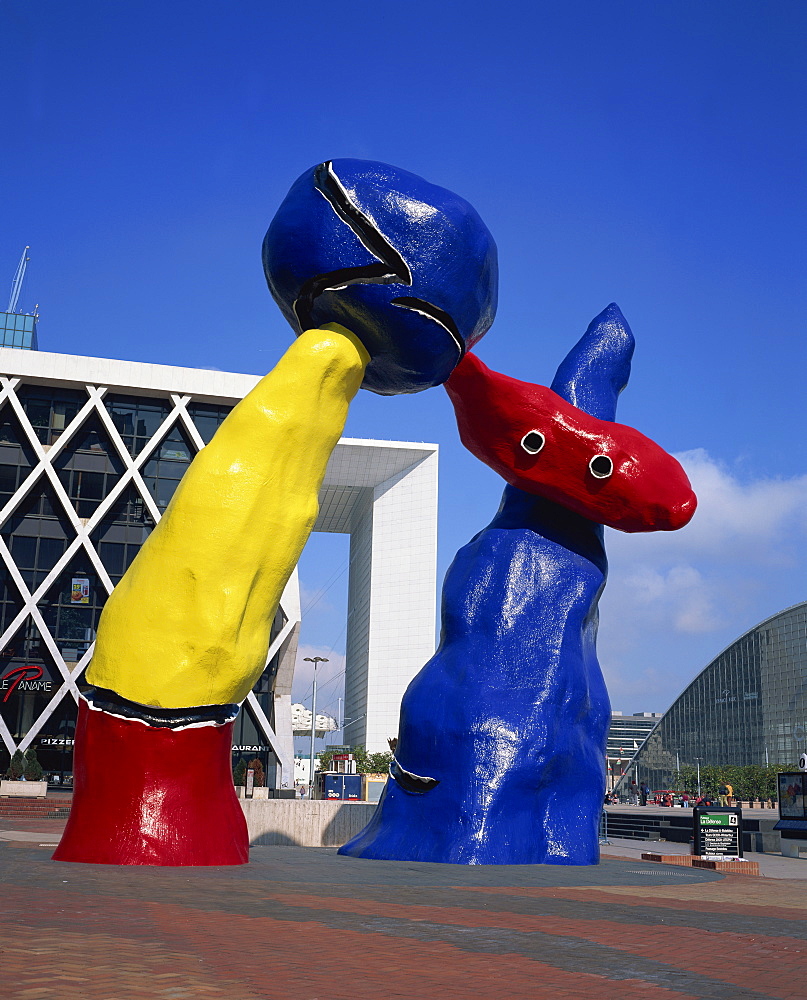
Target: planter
<point x="669" y="859"/>
<point x="23" y="789"/>
<point x="257" y="793"/>
<point x="728" y="867"/>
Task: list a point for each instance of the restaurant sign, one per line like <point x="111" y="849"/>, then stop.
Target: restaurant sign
<point x="31" y="677"/>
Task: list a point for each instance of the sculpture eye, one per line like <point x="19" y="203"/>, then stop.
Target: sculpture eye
<point x="601" y="466"/>
<point x="533" y="442"/>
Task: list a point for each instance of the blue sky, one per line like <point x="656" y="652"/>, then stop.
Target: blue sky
<point x="648" y="153"/>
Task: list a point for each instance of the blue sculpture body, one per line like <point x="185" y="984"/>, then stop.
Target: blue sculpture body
<point x="407" y="266"/>
<point x="501" y="750"/>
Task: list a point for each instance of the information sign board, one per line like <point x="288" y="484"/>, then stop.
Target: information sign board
<point x="718" y="831"/>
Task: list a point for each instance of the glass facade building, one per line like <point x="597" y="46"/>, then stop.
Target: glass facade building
<point x="85" y="474"/>
<point x="18" y="330"/>
<point x="748" y="706"/>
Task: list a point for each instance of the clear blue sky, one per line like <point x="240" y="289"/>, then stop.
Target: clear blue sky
<point x="649" y="153"/>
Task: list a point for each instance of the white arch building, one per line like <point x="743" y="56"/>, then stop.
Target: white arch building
<point x="91" y="450"/>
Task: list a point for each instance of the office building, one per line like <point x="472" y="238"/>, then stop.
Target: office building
<point x="748" y="706"/>
<point x="625" y="735"/>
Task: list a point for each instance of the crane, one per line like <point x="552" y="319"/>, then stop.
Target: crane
<point x="16" y="285"/>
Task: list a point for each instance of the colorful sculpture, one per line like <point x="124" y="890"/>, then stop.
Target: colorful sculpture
<point x="184" y="635"/>
<point x="388" y="280"/>
<point x="409" y="267"/>
<point x="500" y="756"/>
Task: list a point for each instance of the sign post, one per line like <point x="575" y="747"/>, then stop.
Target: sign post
<point x="718" y="831"/>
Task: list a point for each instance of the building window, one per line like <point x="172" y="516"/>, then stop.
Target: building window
<point x="168" y="465"/>
<point x="207" y="418"/>
<point x="37" y="533"/>
<point x="136" y="418"/>
<point x="121" y="533"/>
<point x="71" y="608"/>
<point x="89" y="467"/>
<point x="50" y="410"/>
<point x="17" y="457"/>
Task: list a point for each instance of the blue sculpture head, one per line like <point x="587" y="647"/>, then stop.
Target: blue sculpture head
<point x="409" y="267"/>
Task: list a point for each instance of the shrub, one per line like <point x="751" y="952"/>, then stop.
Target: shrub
<point x="17" y="766"/>
<point x="366" y="763"/>
<point x="33" y="769"/>
<point x="240" y="773"/>
<point x="750" y="781"/>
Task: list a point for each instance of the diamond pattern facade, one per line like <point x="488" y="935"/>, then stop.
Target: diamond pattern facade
<point x="86" y="471"/>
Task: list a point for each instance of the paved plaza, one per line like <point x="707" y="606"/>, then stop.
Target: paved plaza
<point x="306" y="924"/>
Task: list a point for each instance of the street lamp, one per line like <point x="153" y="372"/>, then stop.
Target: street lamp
<point x="698" y="764"/>
<point x="316" y="660"/>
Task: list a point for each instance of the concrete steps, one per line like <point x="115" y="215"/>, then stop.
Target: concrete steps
<point x="22" y="808"/>
<point x="675" y="826"/>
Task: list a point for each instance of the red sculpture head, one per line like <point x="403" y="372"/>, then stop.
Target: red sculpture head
<point x="538" y="442"/>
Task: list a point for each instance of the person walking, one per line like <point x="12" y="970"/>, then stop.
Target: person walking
<point x="723" y="795"/>
<point x="644" y="791"/>
<point x="634" y="794"/>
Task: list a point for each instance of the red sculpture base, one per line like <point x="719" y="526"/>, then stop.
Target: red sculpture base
<point x="147" y="796"/>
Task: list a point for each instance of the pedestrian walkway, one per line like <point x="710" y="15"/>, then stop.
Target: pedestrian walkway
<point x="770" y="865"/>
<point x="306" y="924"/>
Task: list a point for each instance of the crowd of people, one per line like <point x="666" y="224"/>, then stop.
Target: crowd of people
<point x="641" y="794"/>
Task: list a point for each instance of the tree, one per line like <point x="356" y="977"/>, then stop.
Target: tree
<point x="240" y="772"/>
<point x="379" y="762"/>
<point x="259" y="778"/>
<point x="366" y="763"/>
<point x="750" y="782"/>
<point x="33" y="769"/>
<point x="17" y="766"/>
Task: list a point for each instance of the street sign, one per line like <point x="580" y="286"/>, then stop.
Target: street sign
<point x="718" y="831"/>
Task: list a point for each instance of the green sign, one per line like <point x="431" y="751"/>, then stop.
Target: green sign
<point x="718" y="819"/>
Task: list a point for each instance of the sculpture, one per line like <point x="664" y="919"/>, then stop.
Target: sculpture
<point x="184" y="635"/>
<point x="500" y="757"/>
<point x="388" y="281"/>
<point x="409" y="267"/>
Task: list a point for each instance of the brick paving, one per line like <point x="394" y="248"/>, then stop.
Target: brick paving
<point x="305" y="924"/>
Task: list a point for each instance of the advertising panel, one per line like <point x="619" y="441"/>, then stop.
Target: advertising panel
<point x="792" y="788"/>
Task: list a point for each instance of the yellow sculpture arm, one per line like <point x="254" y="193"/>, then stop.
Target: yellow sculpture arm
<point x="189" y="623"/>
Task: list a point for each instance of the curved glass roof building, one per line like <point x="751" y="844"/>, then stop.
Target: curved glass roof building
<point x="748" y="706"/>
